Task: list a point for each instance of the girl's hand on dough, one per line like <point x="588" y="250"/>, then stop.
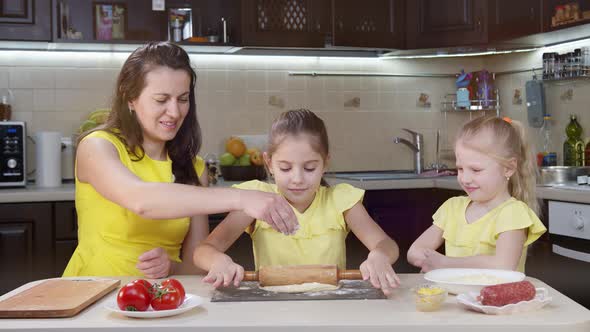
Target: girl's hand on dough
<point x="379" y="272"/>
<point x="224" y="273"/>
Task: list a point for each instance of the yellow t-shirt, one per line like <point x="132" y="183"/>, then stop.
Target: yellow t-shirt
<point x="110" y="237"/>
<point x="321" y="238"/>
<point x="479" y="237"/>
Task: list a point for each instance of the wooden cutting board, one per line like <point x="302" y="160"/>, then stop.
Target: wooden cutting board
<point x="56" y="298"/>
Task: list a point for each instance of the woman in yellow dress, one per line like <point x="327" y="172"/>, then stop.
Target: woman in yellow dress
<point x="141" y="195"/>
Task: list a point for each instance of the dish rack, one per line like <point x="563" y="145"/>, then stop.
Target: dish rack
<point x="449" y="104"/>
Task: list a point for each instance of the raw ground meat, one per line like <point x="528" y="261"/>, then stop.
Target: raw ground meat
<point x="503" y="294"/>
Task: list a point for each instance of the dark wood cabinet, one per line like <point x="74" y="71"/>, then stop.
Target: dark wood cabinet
<point x="66" y="234"/>
<point x="286" y="23"/>
<point x="511" y="19"/>
<point x="139" y="22"/>
<point x="404" y="215"/>
<point x="442" y="23"/>
<point x="374" y="23"/>
<point x="26" y="244"/>
<point x="553" y="19"/>
<point x="25" y="20"/>
<point x="144" y="24"/>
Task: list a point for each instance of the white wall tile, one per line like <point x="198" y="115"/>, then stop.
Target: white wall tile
<point x="23" y="100"/>
<point x="30" y="78"/>
<point x="257" y="100"/>
<point x="276" y="80"/>
<point x="217" y="80"/>
<point x="295" y="83"/>
<point x="369" y="101"/>
<point x="44" y="100"/>
<point x="4" y="77"/>
<point x="238" y="80"/>
<point x="296" y="99"/>
<point x="256" y="80"/>
<point x="371" y="83"/>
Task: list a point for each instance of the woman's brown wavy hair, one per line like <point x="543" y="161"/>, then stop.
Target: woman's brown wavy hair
<point x="122" y="122"/>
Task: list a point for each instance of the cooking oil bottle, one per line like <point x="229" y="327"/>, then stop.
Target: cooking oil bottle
<point x="573" y="147"/>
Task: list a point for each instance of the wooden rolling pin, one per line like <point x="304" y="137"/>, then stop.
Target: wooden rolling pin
<point x="299" y="274"/>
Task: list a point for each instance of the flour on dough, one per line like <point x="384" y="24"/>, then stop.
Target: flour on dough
<point x="301" y="288"/>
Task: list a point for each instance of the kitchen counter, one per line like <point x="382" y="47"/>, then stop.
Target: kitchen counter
<point x="31" y="193"/>
<point x="397" y="311"/>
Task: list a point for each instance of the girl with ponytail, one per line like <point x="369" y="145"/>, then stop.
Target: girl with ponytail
<point x="493" y="225"/>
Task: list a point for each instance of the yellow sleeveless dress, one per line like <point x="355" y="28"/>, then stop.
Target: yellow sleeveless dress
<point x="110" y="237"/>
<point x="479" y="237"/>
<point x="321" y="238"/>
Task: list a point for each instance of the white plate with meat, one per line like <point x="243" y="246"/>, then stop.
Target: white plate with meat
<point x="457" y="281"/>
<point x="472" y="301"/>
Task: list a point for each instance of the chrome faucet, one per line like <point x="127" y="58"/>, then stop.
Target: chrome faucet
<point x="416" y="146"/>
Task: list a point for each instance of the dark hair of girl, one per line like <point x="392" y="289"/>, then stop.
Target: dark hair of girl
<point x="296" y="122"/>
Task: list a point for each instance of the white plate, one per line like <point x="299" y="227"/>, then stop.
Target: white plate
<point x="190" y="301"/>
<point x="457" y="281"/>
<point x="469" y="301"/>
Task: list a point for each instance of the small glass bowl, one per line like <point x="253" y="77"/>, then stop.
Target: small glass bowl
<point x="429" y="297"/>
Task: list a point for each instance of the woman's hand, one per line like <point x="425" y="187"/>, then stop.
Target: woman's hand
<point x="224" y="272"/>
<point x="432" y="260"/>
<point x="155" y="263"/>
<point x="271" y="208"/>
<point x="377" y="269"/>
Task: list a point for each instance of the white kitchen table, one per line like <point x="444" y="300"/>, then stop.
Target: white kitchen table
<point x="397" y="313"/>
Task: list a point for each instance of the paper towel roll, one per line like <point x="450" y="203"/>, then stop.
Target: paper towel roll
<point x="48" y="159"/>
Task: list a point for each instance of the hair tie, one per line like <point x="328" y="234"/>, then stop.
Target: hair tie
<point x="507" y="119"/>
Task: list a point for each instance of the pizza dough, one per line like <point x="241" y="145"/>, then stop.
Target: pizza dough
<point x="301" y="288"/>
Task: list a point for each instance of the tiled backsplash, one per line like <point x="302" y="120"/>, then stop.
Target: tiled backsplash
<point x="243" y="94"/>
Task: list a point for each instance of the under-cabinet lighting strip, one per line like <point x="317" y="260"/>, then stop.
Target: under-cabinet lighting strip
<point x="428" y="75"/>
<point x="353" y="74"/>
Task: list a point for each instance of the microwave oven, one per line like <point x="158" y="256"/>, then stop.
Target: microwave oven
<point x="13" y="170"/>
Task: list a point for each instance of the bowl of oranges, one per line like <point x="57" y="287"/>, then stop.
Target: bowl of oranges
<point x="240" y="163"/>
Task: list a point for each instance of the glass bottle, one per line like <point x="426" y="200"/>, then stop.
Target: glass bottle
<point x="212" y="163"/>
<point x="573" y="147"/>
<point x="6" y="99"/>
<point x="545" y="156"/>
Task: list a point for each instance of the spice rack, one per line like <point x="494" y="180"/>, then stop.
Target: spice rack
<point x="566" y="80"/>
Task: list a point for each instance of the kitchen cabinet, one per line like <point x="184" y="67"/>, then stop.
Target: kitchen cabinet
<point x="511" y="19"/>
<point x="441" y="23"/>
<point x="379" y="23"/>
<point x="66" y="234"/>
<point x="405" y="214"/>
<point x="142" y="23"/>
<point x="139" y="22"/>
<point x="448" y="23"/>
<point x="25" y="20"/>
<point x="26" y="244"/>
<point x="286" y="23"/>
<point x="568" y="17"/>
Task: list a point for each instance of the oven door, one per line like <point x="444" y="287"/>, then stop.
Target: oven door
<point x="564" y="263"/>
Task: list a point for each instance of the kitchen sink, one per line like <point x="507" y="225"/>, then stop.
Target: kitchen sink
<point x="376" y="175"/>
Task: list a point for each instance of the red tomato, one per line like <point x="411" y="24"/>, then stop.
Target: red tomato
<point x="148" y="285"/>
<point x="176" y="284"/>
<point x="133" y="297"/>
<point x="166" y="298"/>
